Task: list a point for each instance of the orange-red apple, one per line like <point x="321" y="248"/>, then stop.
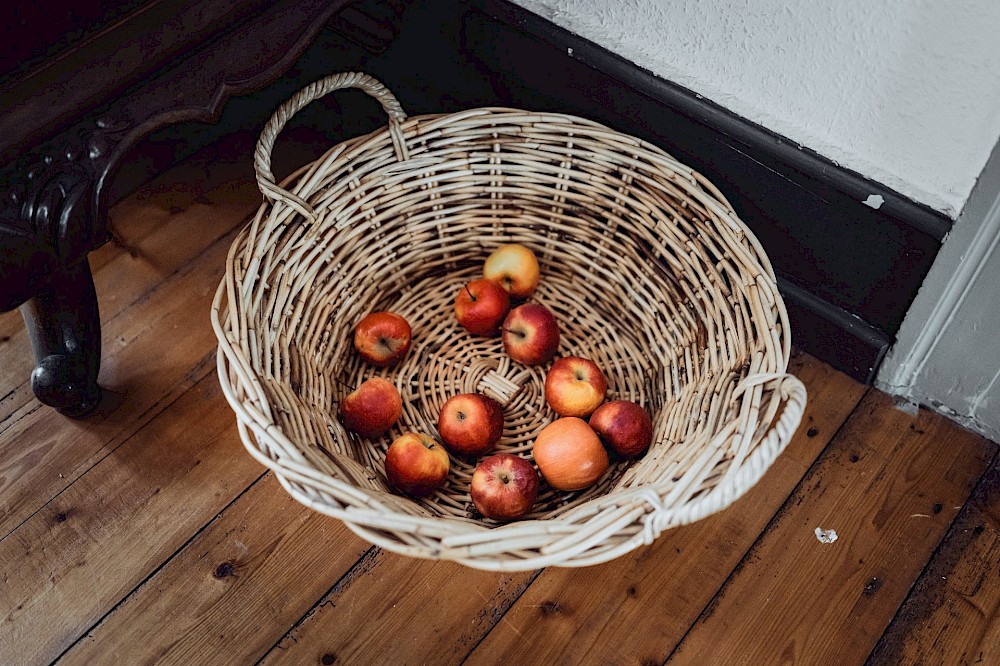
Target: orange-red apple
<point x="624" y="427"/>
<point x="470" y="424"/>
<point x="575" y="386"/>
<point x="531" y="334"/>
<point x="515" y="268"/>
<point x="480" y="307"/>
<point x="569" y="454"/>
<point x="372" y="408"/>
<point x="504" y="486"/>
<point x="382" y="338"/>
<point x="416" y="464"/>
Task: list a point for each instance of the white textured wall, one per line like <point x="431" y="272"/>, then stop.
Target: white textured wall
<point x="906" y="92"/>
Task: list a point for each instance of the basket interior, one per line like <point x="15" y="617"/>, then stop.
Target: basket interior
<point x="641" y="262"/>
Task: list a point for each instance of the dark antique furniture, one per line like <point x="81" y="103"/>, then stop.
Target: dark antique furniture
<point x="81" y="91"/>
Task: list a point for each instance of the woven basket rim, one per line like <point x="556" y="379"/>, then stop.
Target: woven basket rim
<point x="579" y="526"/>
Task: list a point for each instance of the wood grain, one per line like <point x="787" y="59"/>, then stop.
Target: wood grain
<point x="953" y="614"/>
<point x="154" y="355"/>
<point x="594" y="615"/>
<point x="797" y="600"/>
<point x="427" y="613"/>
<point x="231" y="593"/>
<point x="91" y="545"/>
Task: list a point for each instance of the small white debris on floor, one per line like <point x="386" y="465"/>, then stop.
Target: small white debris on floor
<point x="874" y="200"/>
<point x="826" y="536"/>
<point x="907" y="407"/>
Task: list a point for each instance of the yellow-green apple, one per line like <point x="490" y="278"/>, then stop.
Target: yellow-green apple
<point x="515" y="268"/>
<point x="624" y="427"/>
<point x="569" y="454"/>
<point x="574" y="386"/>
<point x="382" y="338"/>
<point x="372" y="408"/>
<point x="504" y="486"/>
<point x="416" y="464"/>
<point x="531" y="334"/>
<point x="481" y="306"/>
<point x="470" y="424"/>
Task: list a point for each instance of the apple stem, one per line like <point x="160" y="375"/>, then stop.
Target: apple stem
<point x="510" y="330"/>
<point x="469" y="292"/>
<point x="343" y="383"/>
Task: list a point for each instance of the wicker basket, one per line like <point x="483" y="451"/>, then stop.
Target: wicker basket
<point x="648" y="269"/>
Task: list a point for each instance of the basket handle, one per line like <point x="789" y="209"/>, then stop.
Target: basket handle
<point x="312" y="92"/>
<point x="792" y="392"/>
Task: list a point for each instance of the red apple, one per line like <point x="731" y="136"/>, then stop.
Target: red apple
<point x="470" y="424"/>
<point x="372" y="408"/>
<point x="569" y="454"/>
<point x="575" y="386"/>
<point x="623" y="426"/>
<point x="504" y="486"/>
<point x="481" y="306"/>
<point x="416" y="464"/>
<point x="515" y="268"/>
<point x="531" y="334"/>
<point x="382" y="338"/>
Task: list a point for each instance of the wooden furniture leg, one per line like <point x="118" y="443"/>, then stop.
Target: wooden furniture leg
<point x="64" y="327"/>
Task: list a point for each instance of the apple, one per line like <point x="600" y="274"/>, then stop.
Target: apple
<point x="569" y="454"/>
<point x="574" y="386"/>
<point x="531" y="334"/>
<point x="470" y="424"/>
<point x="416" y="464"/>
<point x="481" y="306"/>
<point x="515" y="268"/>
<point x="624" y="427"/>
<point x="382" y="338"/>
<point x="372" y="408"/>
<point x="504" y="486"/>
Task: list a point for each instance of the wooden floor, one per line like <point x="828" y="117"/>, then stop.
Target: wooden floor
<point x="145" y="533"/>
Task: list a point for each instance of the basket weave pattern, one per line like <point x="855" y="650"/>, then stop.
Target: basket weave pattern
<point x="650" y="274"/>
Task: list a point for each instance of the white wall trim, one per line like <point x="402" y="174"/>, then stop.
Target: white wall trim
<point x="981" y="247"/>
<point x="946" y="355"/>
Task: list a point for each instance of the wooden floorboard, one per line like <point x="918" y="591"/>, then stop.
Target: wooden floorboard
<point x="92" y="544"/>
<point x="145" y="533"/>
<point x="889" y="485"/>
<point x="659" y="591"/>
<point x="231" y="593"/>
<point x="152" y="357"/>
<point x="953" y="614"/>
<point x="428" y="613"/>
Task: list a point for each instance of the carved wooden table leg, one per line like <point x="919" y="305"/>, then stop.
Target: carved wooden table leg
<point x="64" y="327"/>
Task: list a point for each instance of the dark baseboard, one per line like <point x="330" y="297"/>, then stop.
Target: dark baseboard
<point x="843" y="340"/>
<point x="848" y="272"/>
